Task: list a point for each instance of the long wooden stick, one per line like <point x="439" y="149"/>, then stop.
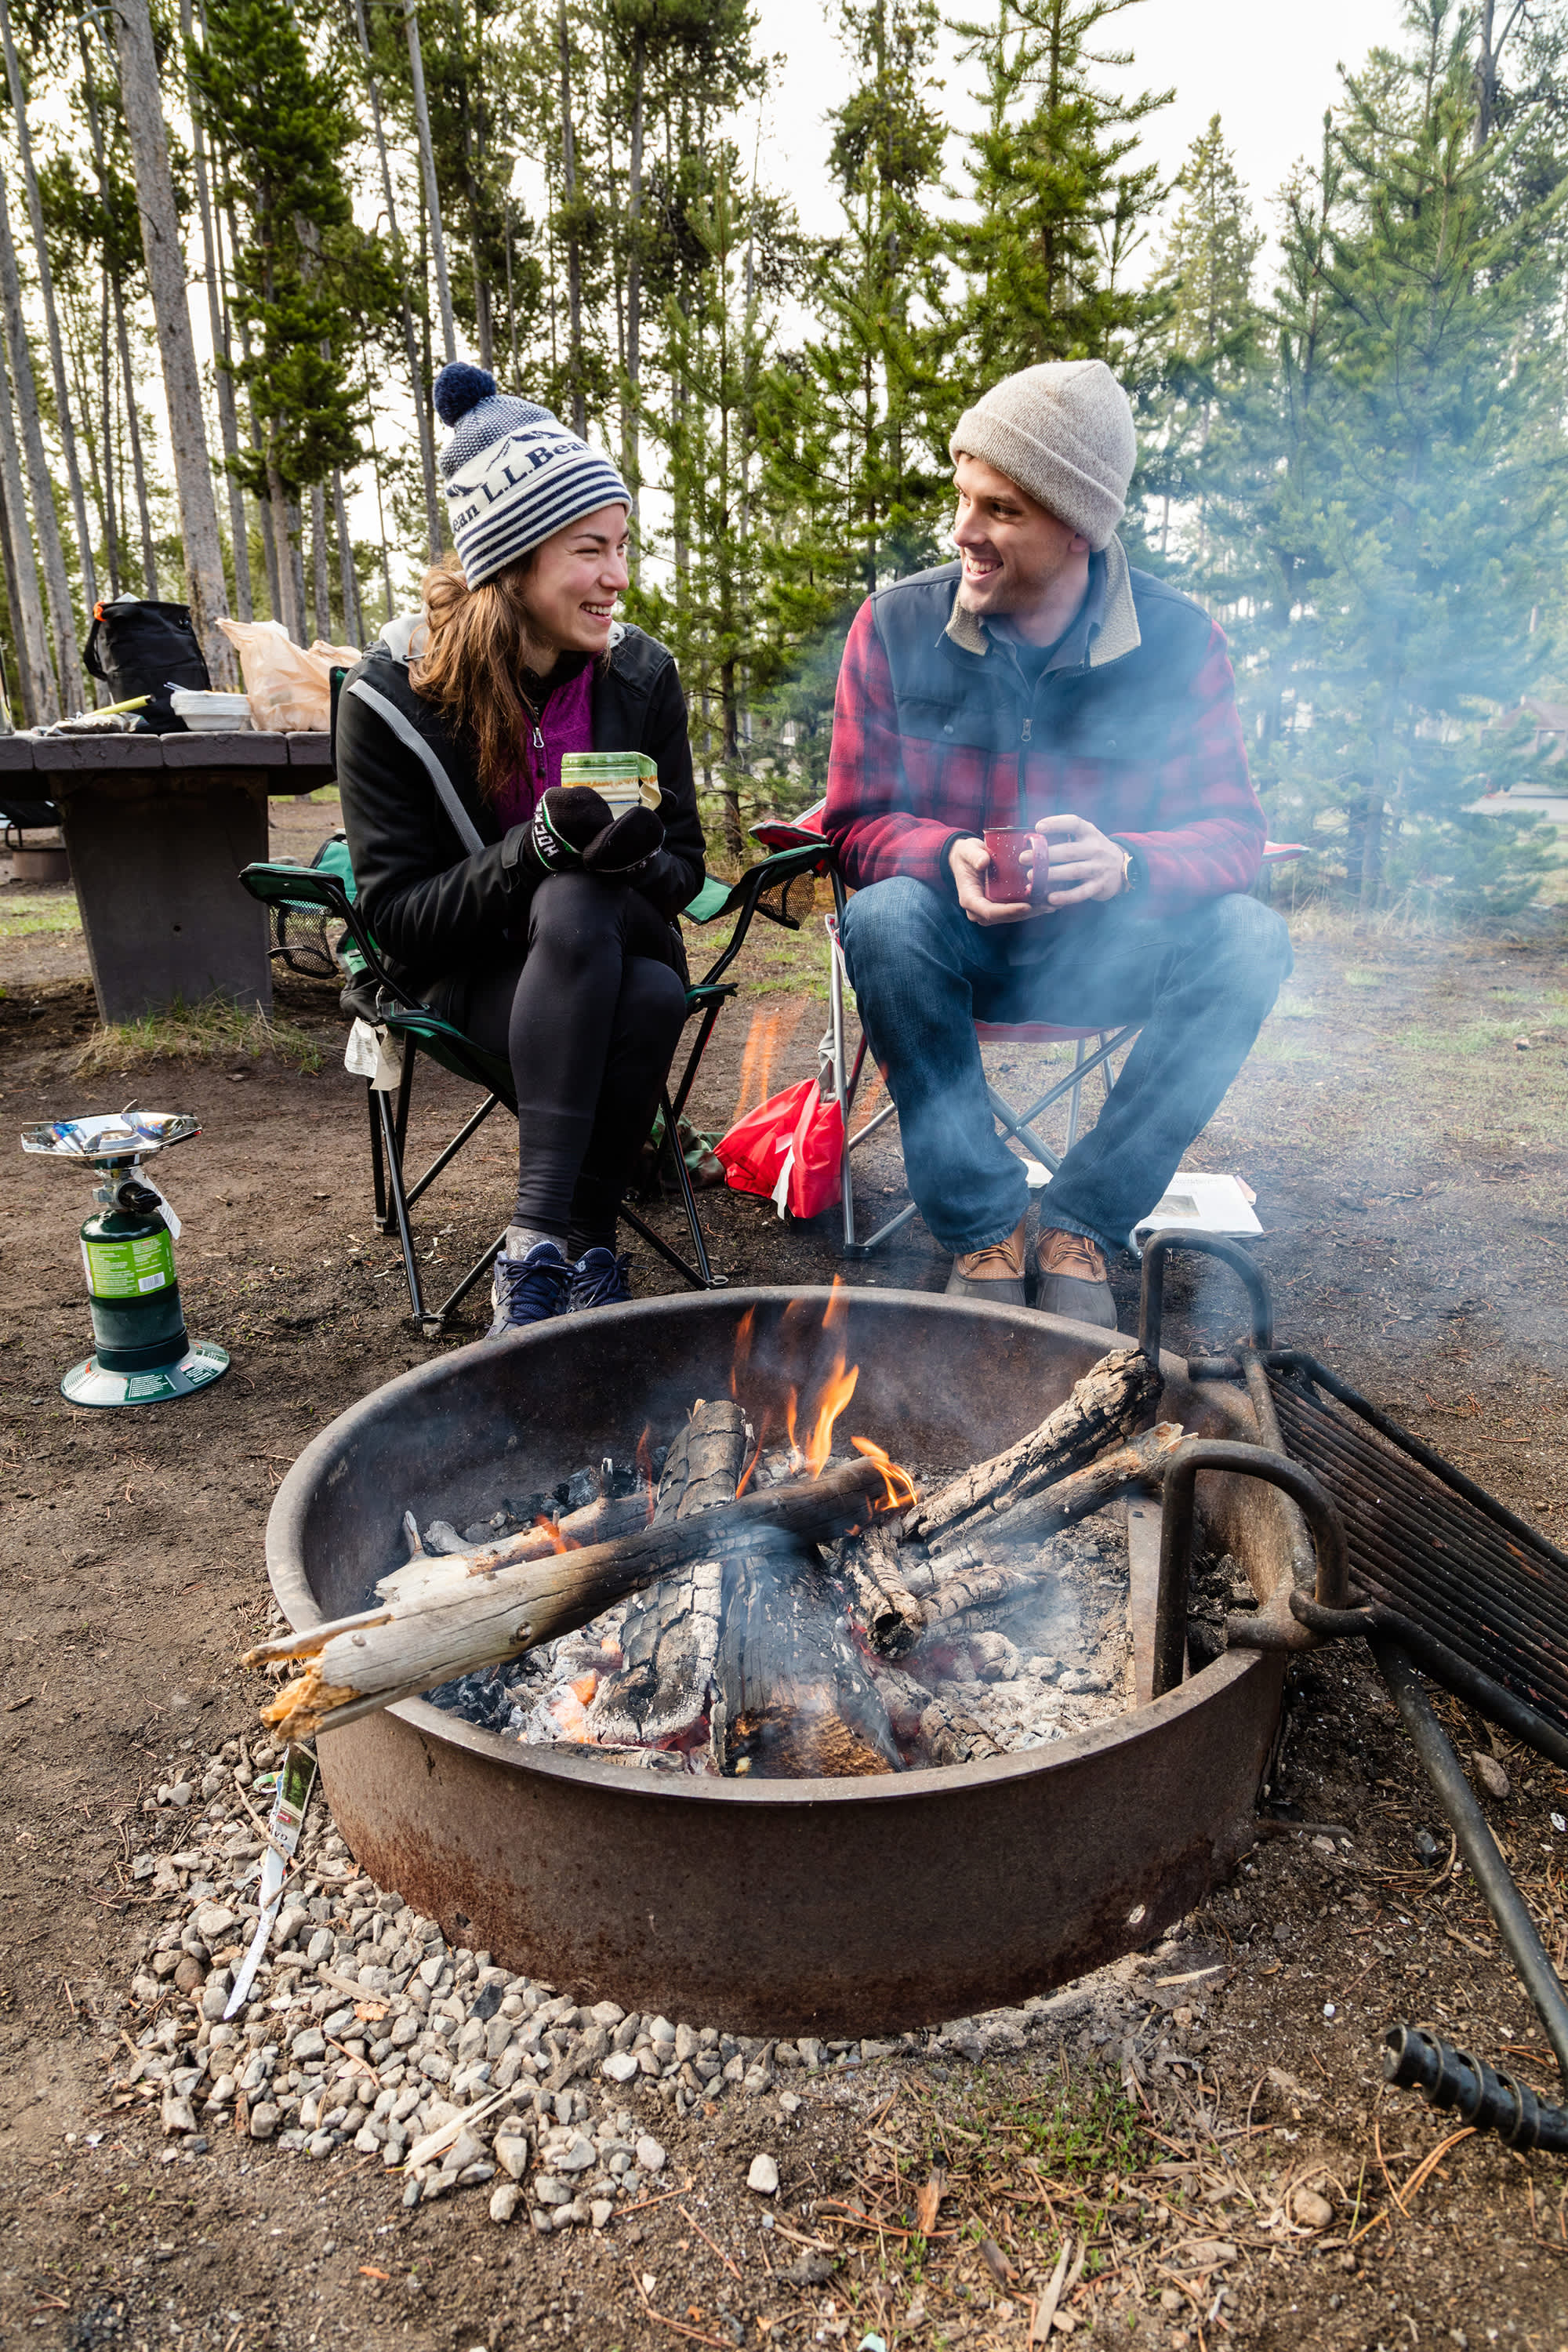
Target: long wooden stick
<point x="1106" y="1404"/>
<point x="355" y="1664"/>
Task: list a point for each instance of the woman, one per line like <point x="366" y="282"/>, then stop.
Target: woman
<point x="553" y="940"/>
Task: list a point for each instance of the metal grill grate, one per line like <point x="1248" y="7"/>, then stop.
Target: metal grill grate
<point x="1496" y="1594"/>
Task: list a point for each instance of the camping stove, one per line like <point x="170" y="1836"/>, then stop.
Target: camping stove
<point x="143" y="1353"/>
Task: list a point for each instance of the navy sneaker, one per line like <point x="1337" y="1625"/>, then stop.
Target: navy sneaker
<point x="598" y="1279"/>
<point x="528" y="1289"/>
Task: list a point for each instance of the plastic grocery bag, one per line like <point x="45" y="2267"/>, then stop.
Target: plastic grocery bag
<point x="289" y="689"/>
<point x="788" y="1150"/>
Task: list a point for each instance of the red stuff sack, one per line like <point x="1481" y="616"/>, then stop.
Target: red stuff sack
<point x="788" y="1150"/>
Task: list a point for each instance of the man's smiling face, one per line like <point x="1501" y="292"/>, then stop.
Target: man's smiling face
<point x="1013" y="551"/>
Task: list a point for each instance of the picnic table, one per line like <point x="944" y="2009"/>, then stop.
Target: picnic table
<point x="158" y="828"/>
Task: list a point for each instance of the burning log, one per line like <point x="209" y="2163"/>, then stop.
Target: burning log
<point x="597" y="1522"/>
<point x="704" y="1463"/>
<point x="881" y="1601"/>
<point x="669" y="1641"/>
<point x="355" y="1664"/>
<point x="1071" y="1499"/>
<point x="794" y="1699"/>
<point x="1106" y="1404"/>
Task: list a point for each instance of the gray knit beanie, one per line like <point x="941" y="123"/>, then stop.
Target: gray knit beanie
<point x="1063" y="432"/>
<point x="513" y="473"/>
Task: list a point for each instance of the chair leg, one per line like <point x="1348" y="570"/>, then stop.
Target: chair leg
<point x="400" y="1208"/>
<point x="1076" y="1097"/>
<point x="436" y="1322"/>
<point x="377" y="1160"/>
<point x="689" y="1199"/>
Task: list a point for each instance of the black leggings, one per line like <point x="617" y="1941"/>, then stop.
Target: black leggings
<point x="589" y="1019"/>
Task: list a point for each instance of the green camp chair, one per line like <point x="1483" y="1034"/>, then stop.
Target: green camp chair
<point x="779" y="889"/>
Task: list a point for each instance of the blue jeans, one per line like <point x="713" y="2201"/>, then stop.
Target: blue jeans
<point x="1201" y="984"/>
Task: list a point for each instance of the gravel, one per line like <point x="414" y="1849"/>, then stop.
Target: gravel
<point x="364" y="2031"/>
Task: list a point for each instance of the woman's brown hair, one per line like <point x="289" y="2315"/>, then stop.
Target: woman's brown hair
<point x="480" y="642"/>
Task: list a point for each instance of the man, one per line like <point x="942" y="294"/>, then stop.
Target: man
<point x="1041" y="682"/>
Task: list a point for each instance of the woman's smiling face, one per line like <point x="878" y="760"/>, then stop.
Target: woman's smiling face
<point x="575" y="580"/>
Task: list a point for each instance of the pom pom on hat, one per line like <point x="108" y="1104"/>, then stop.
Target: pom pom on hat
<point x="460" y="387"/>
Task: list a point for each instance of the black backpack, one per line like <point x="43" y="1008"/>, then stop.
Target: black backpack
<point x="139" y="647"/>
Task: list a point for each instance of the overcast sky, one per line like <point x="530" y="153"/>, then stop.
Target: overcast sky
<point x="1267" y="70"/>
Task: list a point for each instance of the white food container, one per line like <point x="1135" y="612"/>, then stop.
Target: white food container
<point x="210" y="713"/>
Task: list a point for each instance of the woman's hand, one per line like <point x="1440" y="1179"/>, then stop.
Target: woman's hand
<point x="574" y="828"/>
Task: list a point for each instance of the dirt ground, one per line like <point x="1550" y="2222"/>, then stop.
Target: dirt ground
<point x="1402" y="1124"/>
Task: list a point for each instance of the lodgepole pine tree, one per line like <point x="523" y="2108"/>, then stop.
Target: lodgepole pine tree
<point x="854" y="491"/>
<point x="1387" y="505"/>
<point x="1062" y="201"/>
<point x="64" y="423"/>
<point x="304" y="271"/>
<point x="142" y="100"/>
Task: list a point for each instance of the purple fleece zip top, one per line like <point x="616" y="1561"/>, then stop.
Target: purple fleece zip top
<point x="567" y="724"/>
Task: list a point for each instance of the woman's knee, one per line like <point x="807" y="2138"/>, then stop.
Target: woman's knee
<point x="573" y="917"/>
<point x="653" y="1006"/>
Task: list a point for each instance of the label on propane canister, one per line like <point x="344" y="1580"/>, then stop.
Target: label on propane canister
<point x="129" y="1269"/>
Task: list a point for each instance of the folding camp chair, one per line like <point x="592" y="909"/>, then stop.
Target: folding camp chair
<point x="301" y="892"/>
<point x="1018" y="1128"/>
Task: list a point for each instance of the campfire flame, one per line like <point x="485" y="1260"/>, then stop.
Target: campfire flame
<point x="900" y="1487"/>
<point x="743" y="1348"/>
<point x="838" y="1389"/>
<point x="819" y="1414"/>
<point x="558" y="1542"/>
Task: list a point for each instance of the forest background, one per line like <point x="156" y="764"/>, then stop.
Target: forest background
<point x="1356" y="456"/>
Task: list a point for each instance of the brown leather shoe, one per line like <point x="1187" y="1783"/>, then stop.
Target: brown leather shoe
<point x="1072" y="1278"/>
<point x="994" y="1275"/>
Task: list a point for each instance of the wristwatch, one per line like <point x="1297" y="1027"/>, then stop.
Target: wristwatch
<point x="1133" y="873"/>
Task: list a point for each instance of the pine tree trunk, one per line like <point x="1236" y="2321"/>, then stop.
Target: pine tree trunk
<point x="106" y="409"/>
<point x="51" y="554"/>
<point x="574" y="247"/>
<point x="631" y="455"/>
<point x="292" y="597"/>
<point x="434" y="534"/>
<point x="321" y="578"/>
<point x="139" y="87"/>
<point x="122" y="336"/>
<point x="217" y="327"/>
<point x="63" y="421"/>
<point x="427" y="163"/>
<point x="348" y="579"/>
<point x="35" y="680"/>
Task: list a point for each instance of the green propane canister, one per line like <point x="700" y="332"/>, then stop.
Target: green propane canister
<point x="134" y="1293"/>
<point x="142" y="1353"/>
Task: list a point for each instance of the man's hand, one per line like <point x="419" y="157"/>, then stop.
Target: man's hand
<point x="969" y="862"/>
<point x="1084" y="863"/>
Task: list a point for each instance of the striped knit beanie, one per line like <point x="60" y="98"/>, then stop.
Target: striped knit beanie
<point x="514" y="475"/>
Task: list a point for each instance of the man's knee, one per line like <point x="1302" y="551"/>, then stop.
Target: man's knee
<point x="886" y="924"/>
<point x="1248" y="946"/>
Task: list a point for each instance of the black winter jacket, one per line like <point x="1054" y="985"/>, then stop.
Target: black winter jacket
<point x="433" y="908"/>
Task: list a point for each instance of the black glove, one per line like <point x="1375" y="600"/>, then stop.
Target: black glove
<point x="572" y="827"/>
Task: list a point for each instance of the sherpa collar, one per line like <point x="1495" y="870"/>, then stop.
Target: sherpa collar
<point x="1118" y="633"/>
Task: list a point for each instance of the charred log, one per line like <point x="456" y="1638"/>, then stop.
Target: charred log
<point x="794" y="1699"/>
<point x="1059" y="1506"/>
<point x="1107" y="1404"/>
<point x="669" y="1641"/>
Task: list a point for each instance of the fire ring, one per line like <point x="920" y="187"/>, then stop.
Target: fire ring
<point x="777" y="1906"/>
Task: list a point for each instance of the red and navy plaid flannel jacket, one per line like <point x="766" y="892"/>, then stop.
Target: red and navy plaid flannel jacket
<point x="936" y="733"/>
